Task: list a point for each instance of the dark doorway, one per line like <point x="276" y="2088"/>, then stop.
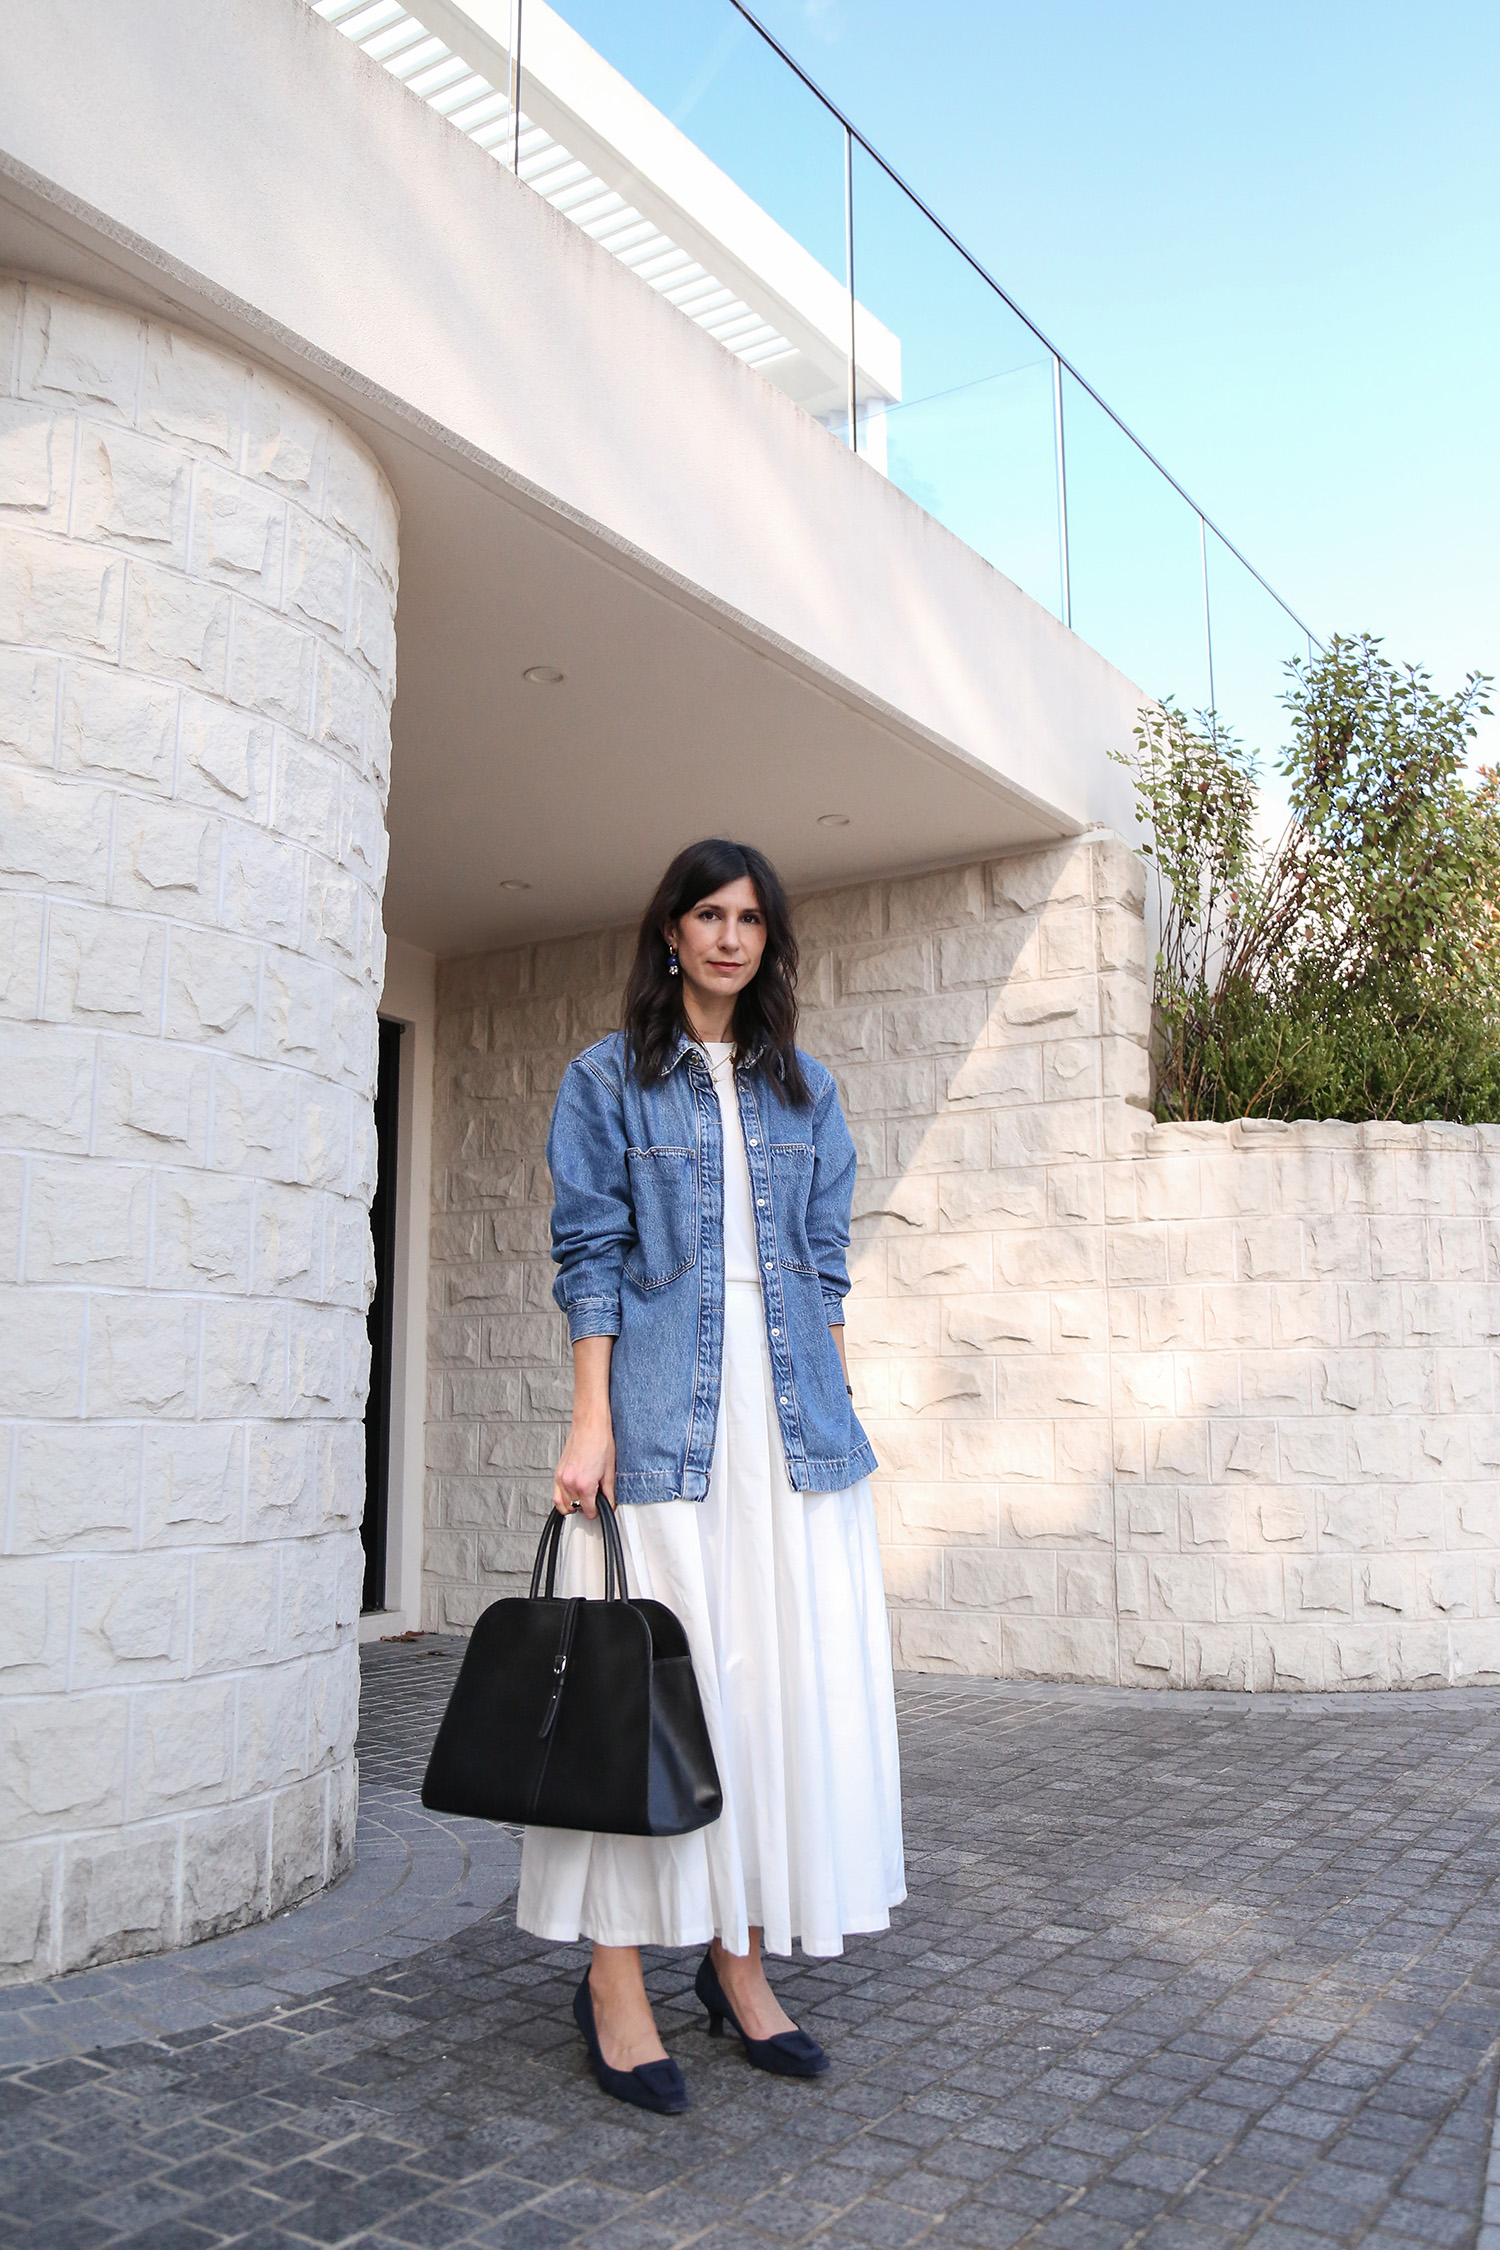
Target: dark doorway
<point x="378" y="1405"/>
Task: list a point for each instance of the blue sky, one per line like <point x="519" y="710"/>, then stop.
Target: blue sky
<point x="1270" y="237"/>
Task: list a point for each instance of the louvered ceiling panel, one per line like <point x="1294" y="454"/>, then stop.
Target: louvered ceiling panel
<point x="402" y="44"/>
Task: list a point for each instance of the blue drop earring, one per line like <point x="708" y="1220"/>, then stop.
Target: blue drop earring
<point x="672" y="970"/>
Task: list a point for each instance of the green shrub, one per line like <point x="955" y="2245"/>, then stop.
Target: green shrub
<point x="1353" y="971"/>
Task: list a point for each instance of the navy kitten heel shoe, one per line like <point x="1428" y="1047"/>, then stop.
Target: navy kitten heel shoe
<point x="790" y="2054"/>
<point x="656" y="2085"/>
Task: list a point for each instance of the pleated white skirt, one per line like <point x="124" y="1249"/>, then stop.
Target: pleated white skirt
<point x="781" y="1596"/>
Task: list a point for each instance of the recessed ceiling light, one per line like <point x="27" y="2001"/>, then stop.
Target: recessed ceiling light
<point x="833" y="820"/>
<point x="544" y="675"/>
<point x="514" y="883"/>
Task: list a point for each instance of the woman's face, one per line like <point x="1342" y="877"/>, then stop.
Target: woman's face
<point x="720" y="941"/>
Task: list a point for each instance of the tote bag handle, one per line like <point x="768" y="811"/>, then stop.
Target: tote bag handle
<point x="616" y="1586"/>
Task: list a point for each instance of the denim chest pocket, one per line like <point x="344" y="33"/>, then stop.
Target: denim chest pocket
<point x="664" y="1191"/>
<point x="791" y="1187"/>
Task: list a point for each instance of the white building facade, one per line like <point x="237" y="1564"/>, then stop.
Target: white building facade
<point x="301" y="388"/>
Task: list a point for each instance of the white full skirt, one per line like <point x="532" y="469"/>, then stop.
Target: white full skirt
<point x="781" y="1597"/>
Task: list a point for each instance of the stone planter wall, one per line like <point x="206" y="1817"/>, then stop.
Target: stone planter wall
<point x="1202" y="1406"/>
<point x="197" y="590"/>
<point x="1305" y="1321"/>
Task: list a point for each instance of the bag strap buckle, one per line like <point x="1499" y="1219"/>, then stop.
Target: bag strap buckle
<point x="560" y="1667"/>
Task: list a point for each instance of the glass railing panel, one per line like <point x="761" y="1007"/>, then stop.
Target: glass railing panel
<point x="680" y="140"/>
<point x="1135" y="557"/>
<point x="1253" y="639"/>
<point x="954" y="391"/>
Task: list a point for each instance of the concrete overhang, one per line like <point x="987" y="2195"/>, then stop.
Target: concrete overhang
<point x="755" y="628"/>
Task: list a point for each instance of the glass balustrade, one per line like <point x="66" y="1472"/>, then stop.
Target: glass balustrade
<point x="1253" y="638"/>
<point x="955" y="392"/>
<point x="681" y="138"/>
<point x="1135" y="556"/>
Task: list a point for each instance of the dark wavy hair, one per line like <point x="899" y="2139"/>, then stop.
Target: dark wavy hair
<point x="765" y="1013"/>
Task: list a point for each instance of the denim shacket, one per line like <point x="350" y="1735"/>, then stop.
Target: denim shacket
<point x="638" y="1237"/>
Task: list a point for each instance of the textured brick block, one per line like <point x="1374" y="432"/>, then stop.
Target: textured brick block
<point x="41" y="1351"/>
<point x="226" y="757"/>
<point x="958" y="1265"/>
<point x="225" y="1868"/>
<point x="1250" y="1586"/>
<point x="119" y="1897"/>
<point x="192" y="1483"/>
<point x="1059" y="1649"/>
<point x="104" y="970"/>
<point x="1030" y="882"/>
<point x="1152" y="1655"/>
<point x="942" y="1641"/>
<point x="1357" y="1658"/>
<point x="59" y="597"/>
<point x="167" y="859"/>
<point x="942" y="1025"/>
<point x="1005" y="1581"/>
<point x="996" y="1077"/>
<point x="142" y="1356"/>
<point x="35" y="1601"/>
<point x="54" y="836"/>
<point x="272" y="670"/>
<point x="79" y="352"/>
<point x="358" y="502"/>
<point x="1218" y="1657"/>
<point x="176" y="628"/>
<point x="1181" y="1587"/>
<point x="299" y="1837"/>
<point x="87" y="1223"/>
<point x="924" y="902"/>
<point x="27" y="1878"/>
<point x="878" y="972"/>
<point x="62" y="1763"/>
<point x="132" y="493"/>
<point x="34" y="463"/>
<point x="28" y="703"/>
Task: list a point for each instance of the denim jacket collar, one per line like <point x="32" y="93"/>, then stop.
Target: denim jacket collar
<point x="687" y="1045"/>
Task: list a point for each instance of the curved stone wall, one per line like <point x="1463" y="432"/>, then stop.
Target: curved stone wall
<point x="197" y="594"/>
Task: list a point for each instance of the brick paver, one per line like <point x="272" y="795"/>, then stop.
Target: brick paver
<point x="1177" y="1971"/>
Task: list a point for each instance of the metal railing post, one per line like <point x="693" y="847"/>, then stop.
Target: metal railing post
<point x="853" y="389"/>
<point x="1064" y="560"/>
<point x="515" y="87"/>
<point x="1208" y="617"/>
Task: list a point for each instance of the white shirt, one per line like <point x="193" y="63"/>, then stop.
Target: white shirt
<point x="741" y="1256"/>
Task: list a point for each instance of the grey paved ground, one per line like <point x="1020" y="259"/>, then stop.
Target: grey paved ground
<point x="1184" y="1972"/>
<point x="417" y="1877"/>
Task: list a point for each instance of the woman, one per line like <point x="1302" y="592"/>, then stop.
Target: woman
<point x="702" y="1175"/>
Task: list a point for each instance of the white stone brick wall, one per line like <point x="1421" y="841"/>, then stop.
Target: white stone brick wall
<point x="1305" y="1321"/>
<point x="987" y="1028"/>
<point x="197" y="593"/>
<point x="1206" y="1406"/>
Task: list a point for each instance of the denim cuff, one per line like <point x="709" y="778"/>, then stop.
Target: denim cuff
<point x="834" y="1307"/>
<point x="594" y="1316"/>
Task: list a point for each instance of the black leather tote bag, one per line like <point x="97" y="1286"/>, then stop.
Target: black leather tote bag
<point x="577" y="1714"/>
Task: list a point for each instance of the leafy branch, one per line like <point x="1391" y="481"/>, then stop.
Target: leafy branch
<point x="1352" y="969"/>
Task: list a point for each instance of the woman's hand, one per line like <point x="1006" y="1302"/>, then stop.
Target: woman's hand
<point x="588" y="1458"/>
<point x="588" y="1461"/>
